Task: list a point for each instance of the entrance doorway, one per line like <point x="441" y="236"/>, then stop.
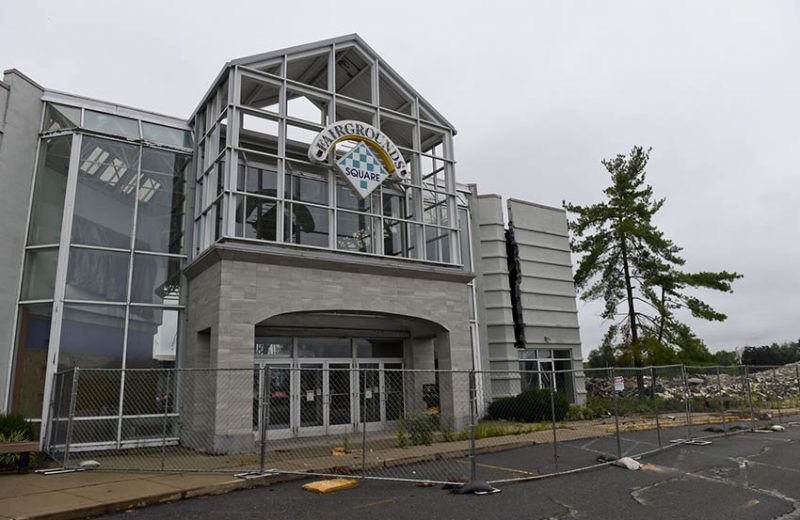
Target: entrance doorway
<point x="302" y="395"/>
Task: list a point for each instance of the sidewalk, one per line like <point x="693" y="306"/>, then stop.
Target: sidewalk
<point x="89" y="493"/>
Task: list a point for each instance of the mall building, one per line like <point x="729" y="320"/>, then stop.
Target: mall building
<point x="305" y="215"/>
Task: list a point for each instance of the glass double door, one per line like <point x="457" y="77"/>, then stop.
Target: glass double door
<point x="324" y="398"/>
<point x="321" y="397"/>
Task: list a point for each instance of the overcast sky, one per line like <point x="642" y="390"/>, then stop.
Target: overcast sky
<point x="539" y="93"/>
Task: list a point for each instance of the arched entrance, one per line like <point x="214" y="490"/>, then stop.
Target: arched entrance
<point x="324" y="372"/>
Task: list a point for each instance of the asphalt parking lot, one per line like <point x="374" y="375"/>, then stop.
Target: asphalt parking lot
<point x="748" y="475"/>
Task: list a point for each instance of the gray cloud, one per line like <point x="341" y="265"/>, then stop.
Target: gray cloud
<point x="539" y="92"/>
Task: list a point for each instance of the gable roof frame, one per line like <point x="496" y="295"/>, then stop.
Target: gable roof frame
<point x="280" y="55"/>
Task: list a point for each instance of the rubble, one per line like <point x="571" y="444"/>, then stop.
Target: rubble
<point x="703" y="383"/>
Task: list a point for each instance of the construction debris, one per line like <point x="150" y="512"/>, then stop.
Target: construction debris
<point x="331" y="485"/>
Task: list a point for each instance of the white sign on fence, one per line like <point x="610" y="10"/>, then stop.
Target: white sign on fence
<point x="619" y="383"/>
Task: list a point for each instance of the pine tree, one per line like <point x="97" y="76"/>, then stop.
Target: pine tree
<point x="628" y="263"/>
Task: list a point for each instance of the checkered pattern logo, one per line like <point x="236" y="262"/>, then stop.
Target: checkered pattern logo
<point x="362" y="169"/>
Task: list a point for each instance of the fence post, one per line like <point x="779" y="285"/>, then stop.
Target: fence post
<point x="473" y="402"/>
<point x="616" y="414"/>
<point x="655" y="402"/>
<point x="363" y="416"/>
<point x="164" y="425"/>
<point x="553" y="416"/>
<point x="265" y="396"/>
<point x="721" y="401"/>
<point x="72" y="398"/>
<point x="749" y="398"/>
<point x="777" y="397"/>
<point x="797" y="376"/>
<point x="687" y="404"/>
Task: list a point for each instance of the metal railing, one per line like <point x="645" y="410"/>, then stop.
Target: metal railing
<point x="408" y="425"/>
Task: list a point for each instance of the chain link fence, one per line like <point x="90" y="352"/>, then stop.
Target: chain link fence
<point x="383" y="422"/>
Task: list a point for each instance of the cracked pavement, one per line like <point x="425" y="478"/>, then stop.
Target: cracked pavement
<point x="748" y="475"/>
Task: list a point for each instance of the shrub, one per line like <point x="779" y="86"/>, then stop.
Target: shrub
<point x="529" y="406"/>
<point x="402" y="440"/>
<point x="446" y="429"/>
<point x="11" y="424"/>
<point x="420" y="429"/>
<point x="502" y="408"/>
<point x="14" y="428"/>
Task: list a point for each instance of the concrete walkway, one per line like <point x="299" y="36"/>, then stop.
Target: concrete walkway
<point x="89" y="493"/>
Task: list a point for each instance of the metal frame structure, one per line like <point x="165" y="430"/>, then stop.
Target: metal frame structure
<point x="251" y="106"/>
<point x="77" y="133"/>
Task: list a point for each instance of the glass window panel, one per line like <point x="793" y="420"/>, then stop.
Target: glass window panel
<point x="437" y="244"/>
<point x="142" y="428"/>
<point x="98" y="394"/>
<point x="436" y="208"/>
<point x="152" y="337"/>
<point x="323" y="347"/>
<point x="463" y="228"/>
<point x="104" y="430"/>
<point x="258" y="174"/>
<point x="166" y="135"/>
<point x="60" y="117"/>
<point x="308" y="183"/>
<point x="39" y="277"/>
<point x="309" y="225"/>
<point x="47" y="207"/>
<point x="217" y="214"/>
<point x="111" y="124"/>
<point x="346" y="198"/>
<point x="355" y="232"/>
<point x="33" y="342"/>
<point x="156" y="279"/>
<point x="379" y="348"/>
<point x="223" y="95"/>
<point x="272" y="346"/>
<point x="162" y="193"/>
<point x="395" y="238"/>
<point x="97" y="275"/>
<point x="394" y="205"/>
<point x="393" y="376"/>
<point x="91" y="336"/>
<point x="106" y="193"/>
<point x="413" y="202"/>
<point x="256" y="218"/>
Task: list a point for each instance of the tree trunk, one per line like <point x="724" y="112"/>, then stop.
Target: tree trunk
<point x="637" y="355"/>
<point x="663" y="317"/>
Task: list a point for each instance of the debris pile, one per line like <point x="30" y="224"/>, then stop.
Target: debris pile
<point x="703" y="383"/>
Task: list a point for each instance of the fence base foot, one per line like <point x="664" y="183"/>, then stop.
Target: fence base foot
<point x="250" y="475"/>
<point x="475" y="487"/>
<point x="58" y="471"/>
